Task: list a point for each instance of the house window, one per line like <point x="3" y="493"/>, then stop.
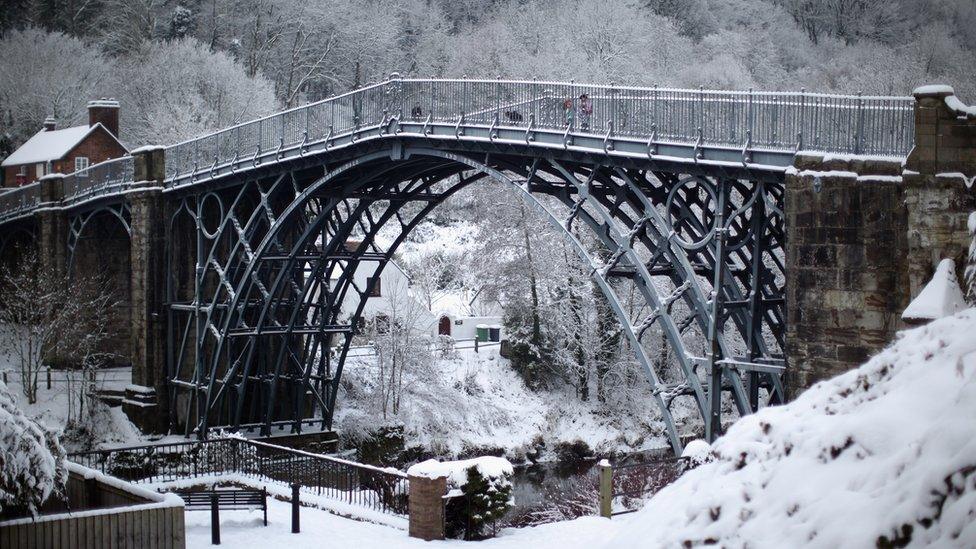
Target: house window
<point x="39" y="170"/>
<point x="81" y="163"/>
<point x="23" y="170"/>
<point x="375" y="283"/>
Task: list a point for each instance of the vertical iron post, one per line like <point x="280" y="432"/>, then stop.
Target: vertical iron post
<point x="713" y="426"/>
<point x="749" y="114"/>
<point x="214" y="519"/>
<point x="295" y="504"/>
<point x="612" y="92"/>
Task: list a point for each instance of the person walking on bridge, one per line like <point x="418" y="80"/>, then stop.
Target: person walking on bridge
<point x="585" y="110"/>
<point x="569" y="112"/>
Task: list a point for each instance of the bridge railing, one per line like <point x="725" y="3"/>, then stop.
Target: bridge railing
<point x="98" y="180"/>
<point x="746" y="120"/>
<point x="19" y="201"/>
<point x="381" y="489"/>
<point x="786" y="121"/>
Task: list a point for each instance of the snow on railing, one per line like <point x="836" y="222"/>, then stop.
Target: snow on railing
<point x="747" y="120"/>
<point x="18" y="201"/>
<point x="382" y="489"/>
<point x="98" y="180"/>
<point x="785" y="121"/>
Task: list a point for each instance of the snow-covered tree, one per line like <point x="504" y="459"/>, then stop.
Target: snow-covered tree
<point x="31" y="459"/>
<point x="51" y="317"/>
<point x="401" y="338"/>
<point x="46" y="74"/>
<point x="179" y="89"/>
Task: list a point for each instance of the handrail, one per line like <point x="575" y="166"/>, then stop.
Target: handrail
<point x="380" y="488"/>
<point x="19" y="200"/>
<point x="786" y="121"/>
<point x="748" y="121"/>
<point x="99" y="179"/>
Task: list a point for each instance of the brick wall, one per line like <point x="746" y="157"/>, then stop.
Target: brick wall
<point x="98" y="147"/>
<point x="427" y="507"/>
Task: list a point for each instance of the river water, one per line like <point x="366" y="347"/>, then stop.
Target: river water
<point x="549" y="491"/>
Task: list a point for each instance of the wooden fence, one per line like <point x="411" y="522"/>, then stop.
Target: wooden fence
<point x="104" y="513"/>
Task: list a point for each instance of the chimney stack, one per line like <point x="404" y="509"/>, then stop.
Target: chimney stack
<point x="106" y="112"/>
<point x="50" y="124"/>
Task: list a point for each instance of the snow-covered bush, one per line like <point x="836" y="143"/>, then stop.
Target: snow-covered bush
<point x="445" y="346"/>
<point x="697" y="452"/>
<point x="480" y="493"/>
<point x="31" y="459"/>
<point x="884" y="455"/>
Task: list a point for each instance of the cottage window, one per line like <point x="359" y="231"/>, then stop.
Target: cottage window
<point x="23" y="170"/>
<point x="375" y="281"/>
<point x="39" y="170"/>
<point x="81" y="163"/>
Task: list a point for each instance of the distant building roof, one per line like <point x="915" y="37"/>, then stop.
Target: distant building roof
<point x="48" y="145"/>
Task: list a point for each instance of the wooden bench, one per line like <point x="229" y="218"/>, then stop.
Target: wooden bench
<point x="232" y="499"/>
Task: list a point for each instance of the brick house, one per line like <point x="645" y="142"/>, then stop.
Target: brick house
<point x="65" y="151"/>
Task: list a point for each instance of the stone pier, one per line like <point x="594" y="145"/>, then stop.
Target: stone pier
<point x="145" y="400"/>
<point x="865" y="234"/>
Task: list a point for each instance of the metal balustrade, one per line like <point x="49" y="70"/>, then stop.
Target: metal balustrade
<point x="377" y="488"/>
<point x="98" y="180"/>
<point x="19" y="201"/>
<point x="749" y="120"/>
<point x="745" y="121"/>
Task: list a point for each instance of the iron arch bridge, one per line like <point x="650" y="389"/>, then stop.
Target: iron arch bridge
<point x="683" y="189"/>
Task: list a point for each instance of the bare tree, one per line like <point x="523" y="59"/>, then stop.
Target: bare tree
<point x="401" y="337"/>
<point x="50" y="318"/>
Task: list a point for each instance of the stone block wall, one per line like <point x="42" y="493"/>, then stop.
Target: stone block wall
<point x="846" y="246"/>
<point x="939" y="182"/>
<point x="864" y="236"/>
<point x="145" y="400"/>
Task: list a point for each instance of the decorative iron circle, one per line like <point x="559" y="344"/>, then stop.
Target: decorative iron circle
<point x="207" y="214"/>
<point x="693" y="198"/>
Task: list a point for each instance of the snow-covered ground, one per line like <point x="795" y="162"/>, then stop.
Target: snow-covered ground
<point x="477" y="401"/>
<point x="884" y="456"/>
<point x="106" y="426"/>
<point x="244" y="529"/>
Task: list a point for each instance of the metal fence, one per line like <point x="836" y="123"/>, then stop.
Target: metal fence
<point x="746" y="120"/>
<point x="19" y="201"/>
<point x="785" y="121"/>
<point x="380" y="489"/>
<point x="100" y="179"/>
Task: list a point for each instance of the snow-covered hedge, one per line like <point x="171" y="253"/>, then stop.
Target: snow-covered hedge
<point x="884" y="455"/>
<point x="32" y="465"/>
<point x="479" y="492"/>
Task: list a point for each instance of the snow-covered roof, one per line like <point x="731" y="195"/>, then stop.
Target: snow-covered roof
<point x="941" y="297"/>
<point x="51" y="145"/>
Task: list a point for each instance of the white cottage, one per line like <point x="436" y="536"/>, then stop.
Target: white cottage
<point x="391" y="295"/>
